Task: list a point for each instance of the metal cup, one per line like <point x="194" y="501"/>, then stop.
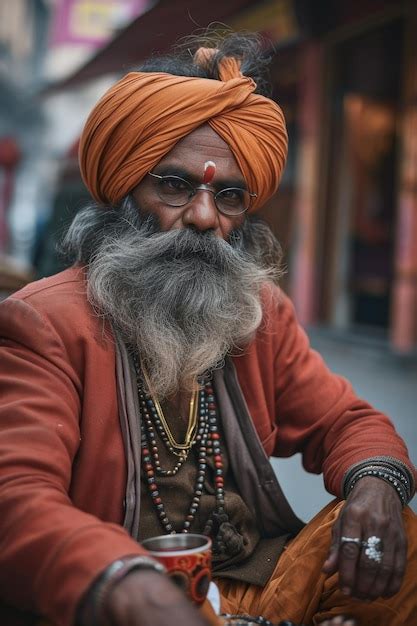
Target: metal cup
<point x="187" y="558"/>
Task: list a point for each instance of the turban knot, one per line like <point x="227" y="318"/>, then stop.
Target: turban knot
<point x="141" y="118"/>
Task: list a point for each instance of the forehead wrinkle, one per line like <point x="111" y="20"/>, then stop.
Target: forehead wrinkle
<point x="219" y="182"/>
<point x="222" y="152"/>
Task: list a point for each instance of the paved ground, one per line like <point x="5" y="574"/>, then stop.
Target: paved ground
<point x="385" y="380"/>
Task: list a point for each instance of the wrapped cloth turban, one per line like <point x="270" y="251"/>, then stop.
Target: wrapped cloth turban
<point x="141" y="118"/>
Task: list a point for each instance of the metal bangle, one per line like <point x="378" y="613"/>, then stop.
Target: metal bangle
<point x="383" y="475"/>
<point x="399" y="470"/>
<point x="383" y="470"/>
<point x="245" y="620"/>
<point x="112" y="575"/>
<point x="397" y="477"/>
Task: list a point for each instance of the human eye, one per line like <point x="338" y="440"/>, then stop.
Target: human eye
<point x="174" y="184"/>
<point x="233" y="196"/>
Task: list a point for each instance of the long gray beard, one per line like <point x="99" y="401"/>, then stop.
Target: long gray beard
<point x="181" y="298"/>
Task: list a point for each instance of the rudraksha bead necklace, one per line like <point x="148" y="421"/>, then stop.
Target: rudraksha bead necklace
<point x="206" y="442"/>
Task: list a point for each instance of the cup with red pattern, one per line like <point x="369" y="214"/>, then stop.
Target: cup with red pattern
<point x="187" y="558"/>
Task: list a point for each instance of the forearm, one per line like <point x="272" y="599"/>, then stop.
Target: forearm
<point x="50" y="549"/>
<point x="91" y="607"/>
<point x="320" y="416"/>
<point x="49" y="558"/>
<point x="141" y="597"/>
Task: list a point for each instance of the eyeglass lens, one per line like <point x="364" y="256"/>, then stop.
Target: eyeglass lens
<point x="176" y="191"/>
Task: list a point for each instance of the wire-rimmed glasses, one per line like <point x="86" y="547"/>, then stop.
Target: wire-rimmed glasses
<point x="176" y="192"/>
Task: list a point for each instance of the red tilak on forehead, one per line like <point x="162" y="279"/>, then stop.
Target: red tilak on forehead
<point x="209" y="172"/>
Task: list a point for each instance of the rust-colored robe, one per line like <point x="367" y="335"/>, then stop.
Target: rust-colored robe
<point x="62" y="462"/>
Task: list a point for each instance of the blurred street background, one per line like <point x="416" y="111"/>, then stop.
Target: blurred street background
<point x="380" y="377"/>
<point x="345" y="74"/>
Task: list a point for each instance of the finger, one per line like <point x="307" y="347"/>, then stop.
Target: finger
<point x="399" y="565"/>
<point x="330" y="564"/>
<point x="367" y="572"/>
<point x="349" y="554"/>
<point x="385" y="570"/>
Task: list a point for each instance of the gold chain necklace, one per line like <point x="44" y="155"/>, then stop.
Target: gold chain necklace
<point x="189" y="439"/>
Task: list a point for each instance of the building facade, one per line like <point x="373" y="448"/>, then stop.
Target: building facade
<point x="345" y="75"/>
<point x="347" y="208"/>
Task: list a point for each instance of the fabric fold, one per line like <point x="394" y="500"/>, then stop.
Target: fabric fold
<point x="129" y="416"/>
<point x="141" y="118"/>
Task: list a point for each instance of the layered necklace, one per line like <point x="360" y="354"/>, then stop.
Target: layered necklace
<point x="179" y="449"/>
<point x="203" y="434"/>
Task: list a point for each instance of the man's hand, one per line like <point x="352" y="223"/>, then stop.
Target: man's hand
<point x="372" y="509"/>
<point x="147" y="598"/>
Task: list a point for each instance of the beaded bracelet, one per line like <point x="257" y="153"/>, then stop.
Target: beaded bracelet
<point x="388" y="464"/>
<point x="393" y="471"/>
<point x="112" y="575"/>
<point x="395" y="477"/>
<point x="247" y="620"/>
<point x="383" y="474"/>
<point x="242" y="620"/>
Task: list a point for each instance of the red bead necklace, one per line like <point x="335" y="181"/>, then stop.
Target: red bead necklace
<point x="206" y="442"/>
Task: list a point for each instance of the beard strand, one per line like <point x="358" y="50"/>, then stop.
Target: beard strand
<point x="182" y="299"/>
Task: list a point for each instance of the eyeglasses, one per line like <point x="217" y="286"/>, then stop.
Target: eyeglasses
<point x="175" y="191"/>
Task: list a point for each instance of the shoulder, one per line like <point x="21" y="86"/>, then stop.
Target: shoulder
<point x="278" y="330"/>
<point x="53" y="310"/>
<point x="279" y="337"/>
<point x="67" y="285"/>
<point x="278" y="313"/>
<point x="59" y="294"/>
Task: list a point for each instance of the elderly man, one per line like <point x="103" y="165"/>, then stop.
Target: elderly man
<point x="144" y="388"/>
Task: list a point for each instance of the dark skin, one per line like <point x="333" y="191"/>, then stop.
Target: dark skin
<point x="147" y="598"/>
<point x="373" y="508"/>
<point x="158" y="597"/>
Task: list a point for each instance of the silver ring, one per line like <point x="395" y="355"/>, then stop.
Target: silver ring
<point x="373" y="548"/>
<point x="351" y="540"/>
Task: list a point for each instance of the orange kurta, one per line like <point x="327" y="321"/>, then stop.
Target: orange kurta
<point x="62" y="463"/>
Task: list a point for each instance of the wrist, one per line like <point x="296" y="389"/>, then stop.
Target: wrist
<point x="385" y="469"/>
<point x="375" y="484"/>
<point x="92" y="603"/>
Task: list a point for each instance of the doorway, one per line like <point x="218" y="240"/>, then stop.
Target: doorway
<point x="360" y="216"/>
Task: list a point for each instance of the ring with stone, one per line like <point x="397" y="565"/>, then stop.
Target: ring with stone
<point x="351" y="540"/>
<point x="373" y="548"/>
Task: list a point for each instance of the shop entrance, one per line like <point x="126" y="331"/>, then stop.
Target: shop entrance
<point x="365" y="91"/>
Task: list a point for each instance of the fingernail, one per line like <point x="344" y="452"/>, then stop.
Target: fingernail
<point x="346" y="591"/>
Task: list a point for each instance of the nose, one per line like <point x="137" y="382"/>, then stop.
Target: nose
<point x="201" y="212"/>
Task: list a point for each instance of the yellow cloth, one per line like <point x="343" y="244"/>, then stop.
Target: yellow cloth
<point x="299" y="591"/>
<point x="141" y="118"/>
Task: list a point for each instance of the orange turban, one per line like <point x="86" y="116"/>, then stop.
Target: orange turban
<point x="140" y="119"/>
